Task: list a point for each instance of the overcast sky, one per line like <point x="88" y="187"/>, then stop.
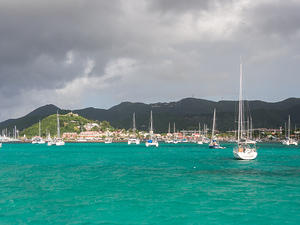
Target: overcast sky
<point x="81" y="53"/>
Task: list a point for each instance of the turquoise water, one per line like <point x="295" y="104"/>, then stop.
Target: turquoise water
<point x="121" y="184"/>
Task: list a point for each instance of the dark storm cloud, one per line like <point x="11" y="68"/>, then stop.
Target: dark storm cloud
<point x="36" y="35"/>
<point x="77" y="53"/>
<point x="280" y="18"/>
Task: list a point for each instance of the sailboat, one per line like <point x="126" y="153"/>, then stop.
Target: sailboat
<point x="50" y="140"/>
<point x="250" y="132"/>
<point x="108" y="140"/>
<point x="205" y="139"/>
<point x="243" y="150"/>
<point x="200" y="140"/>
<point x="175" y="139"/>
<point x="152" y="141"/>
<point x="213" y="141"/>
<point x="1" y="140"/>
<point x="289" y="140"/>
<point x="58" y="140"/>
<point x="133" y="140"/>
<point x="38" y="139"/>
<point x="169" y="140"/>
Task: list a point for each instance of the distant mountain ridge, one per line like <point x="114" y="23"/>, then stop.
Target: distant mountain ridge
<point x="187" y="113"/>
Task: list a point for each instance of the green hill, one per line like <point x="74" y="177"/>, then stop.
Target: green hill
<point x="187" y="113"/>
<point x="68" y="123"/>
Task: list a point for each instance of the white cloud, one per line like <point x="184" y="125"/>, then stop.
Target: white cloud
<point x="83" y="86"/>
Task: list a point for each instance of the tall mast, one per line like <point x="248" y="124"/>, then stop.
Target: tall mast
<point x="15" y="134"/>
<point x="214" y="124"/>
<point x="251" y="128"/>
<point x="133" y="121"/>
<point x="58" y="128"/>
<point x="289" y="127"/>
<point x="199" y="129"/>
<point x="285" y="131"/>
<point x="174" y="128"/>
<point x="39" y="128"/>
<point x="151" y="123"/>
<point x="240" y="119"/>
<point x="169" y="129"/>
<point x="248" y="128"/>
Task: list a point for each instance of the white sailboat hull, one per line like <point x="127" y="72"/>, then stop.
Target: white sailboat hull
<point x="290" y="142"/>
<point x="248" y="154"/>
<point x="148" y="144"/>
<point x="59" y="143"/>
<point x="108" y="141"/>
<point x="250" y="142"/>
<point x="50" y="143"/>
<point x="134" y="141"/>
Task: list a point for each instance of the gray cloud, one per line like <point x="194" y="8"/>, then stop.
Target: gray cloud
<point x="77" y="53"/>
<point x="179" y="6"/>
<point x="280" y="18"/>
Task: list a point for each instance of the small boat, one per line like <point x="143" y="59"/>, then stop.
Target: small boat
<point x="38" y="139"/>
<point x="152" y="141"/>
<point x="58" y="141"/>
<point x="133" y="140"/>
<point x="175" y="141"/>
<point x="50" y="143"/>
<point x="200" y="142"/>
<point x="205" y="139"/>
<point x="243" y="150"/>
<point x="184" y="140"/>
<point x="200" y="139"/>
<point x="289" y="141"/>
<point x="249" y="139"/>
<point x="108" y="140"/>
<point x="49" y="140"/>
<point x="214" y="144"/>
<point x="41" y="141"/>
<point x="168" y="139"/>
<point x="175" y="138"/>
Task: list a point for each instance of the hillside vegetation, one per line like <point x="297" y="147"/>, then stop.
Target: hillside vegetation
<point x="187" y="113"/>
<point x="68" y="123"/>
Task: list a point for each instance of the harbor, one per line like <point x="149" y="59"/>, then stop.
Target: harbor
<point x="127" y="184"/>
<point x="152" y="112"/>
